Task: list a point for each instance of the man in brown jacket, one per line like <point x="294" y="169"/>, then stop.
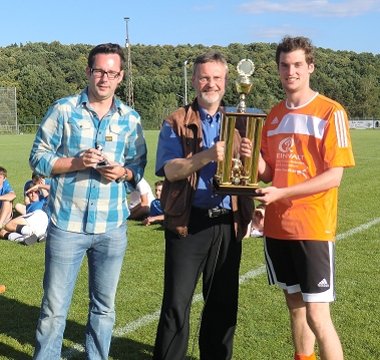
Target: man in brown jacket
<point x="202" y="229"/>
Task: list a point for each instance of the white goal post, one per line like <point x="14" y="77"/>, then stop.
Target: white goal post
<point x="8" y="111"/>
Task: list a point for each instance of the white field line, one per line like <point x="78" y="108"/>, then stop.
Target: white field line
<point x="76" y="349"/>
<point x="358" y="229"/>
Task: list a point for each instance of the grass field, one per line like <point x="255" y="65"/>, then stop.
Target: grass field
<point x="263" y="330"/>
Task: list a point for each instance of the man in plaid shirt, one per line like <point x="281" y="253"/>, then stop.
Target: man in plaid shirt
<point x="87" y="204"/>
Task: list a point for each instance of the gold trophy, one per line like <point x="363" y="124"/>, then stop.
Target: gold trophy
<point x="239" y="175"/>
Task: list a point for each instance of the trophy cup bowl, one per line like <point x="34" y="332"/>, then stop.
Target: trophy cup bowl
<point x="237" y="175"/>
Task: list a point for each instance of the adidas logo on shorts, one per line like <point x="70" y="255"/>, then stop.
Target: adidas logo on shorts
<point x="323" y="283"/>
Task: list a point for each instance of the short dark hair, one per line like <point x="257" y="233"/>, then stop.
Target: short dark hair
<point x="37" y="176"/>
<point x="289" y="44"/>
<point x="210" y="56"/>
<point x="159" y="183"/>
<point x="31" y="185"/>
<point x="108" y="48"/>
<point x="3" y="171"/>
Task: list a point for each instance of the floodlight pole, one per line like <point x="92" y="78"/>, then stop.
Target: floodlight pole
<point x="130" y="97"/>
<point x="185" y="81"/>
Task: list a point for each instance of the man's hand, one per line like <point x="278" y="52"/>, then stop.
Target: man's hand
<point x="112" y="172"/>
<point x="181" y="168"/>
<point x="246" y="147"/>
<point x="91" y="157"/>
<point x="218" y="151"/>
<point x="270" y="194"/>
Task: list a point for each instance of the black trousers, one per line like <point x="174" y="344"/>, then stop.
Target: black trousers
<point x="212" y="250"/>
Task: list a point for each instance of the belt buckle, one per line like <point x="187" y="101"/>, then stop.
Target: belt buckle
<point x="214" y="212"/>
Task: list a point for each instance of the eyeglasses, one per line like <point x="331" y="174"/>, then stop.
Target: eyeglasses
<point x="99" y="73"/>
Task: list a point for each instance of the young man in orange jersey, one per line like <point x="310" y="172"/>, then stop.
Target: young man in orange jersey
<point x="305" y="145"/>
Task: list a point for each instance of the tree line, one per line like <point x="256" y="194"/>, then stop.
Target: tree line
<point x="44" y="72"/>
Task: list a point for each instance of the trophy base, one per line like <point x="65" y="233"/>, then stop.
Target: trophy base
<point x="227" y="189"/>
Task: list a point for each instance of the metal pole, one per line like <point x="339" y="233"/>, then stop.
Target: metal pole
<point x="185" y="81"/>
<point x="130" y="97"/>
<point x="15" y="99"/>
<point x="126" y="19"/>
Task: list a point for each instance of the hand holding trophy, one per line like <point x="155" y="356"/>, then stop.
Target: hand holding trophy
<point x="238" y="175"/>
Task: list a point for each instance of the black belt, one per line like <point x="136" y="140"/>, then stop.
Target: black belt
<point x="210" y="213"/>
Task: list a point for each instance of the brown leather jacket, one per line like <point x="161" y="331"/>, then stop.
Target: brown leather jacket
<point x="176" y="196"/>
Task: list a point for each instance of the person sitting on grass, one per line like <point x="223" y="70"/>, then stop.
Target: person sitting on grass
<point x="156" y="214"/>
<point x="7" y="195"/>
<point x="37" y="182"/>
<point x="140" y="200"/>
<point x="257" y="224"/>
<point x="31" y="227"/>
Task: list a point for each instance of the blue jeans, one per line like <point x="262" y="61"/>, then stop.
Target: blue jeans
<point x="63" y="257"/>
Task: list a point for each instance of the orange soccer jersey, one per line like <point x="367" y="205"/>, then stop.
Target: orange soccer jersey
<point x="300" y="143"/>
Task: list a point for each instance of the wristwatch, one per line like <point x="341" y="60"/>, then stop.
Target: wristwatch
<point x="123" y="177"/>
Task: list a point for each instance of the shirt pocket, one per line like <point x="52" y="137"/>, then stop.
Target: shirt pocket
<point x="116" y="129"/>
<point x="79" y="135"/>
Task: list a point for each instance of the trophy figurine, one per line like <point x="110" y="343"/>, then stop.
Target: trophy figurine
<point x="243" y="83"/>
<point x="239" y="175"/>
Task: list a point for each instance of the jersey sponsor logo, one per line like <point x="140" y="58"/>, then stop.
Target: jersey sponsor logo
<point x="323" y="283"/>
<point x="286" y="144"/>
<point x="285" y="150"/>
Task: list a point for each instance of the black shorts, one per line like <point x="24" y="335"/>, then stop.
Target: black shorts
<point x="305" y="266"/>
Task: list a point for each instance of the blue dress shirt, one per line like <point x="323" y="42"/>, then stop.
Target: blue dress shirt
<point x="170" y="147"/>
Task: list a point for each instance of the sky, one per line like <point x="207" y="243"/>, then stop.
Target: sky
<point x="338" y="25"/>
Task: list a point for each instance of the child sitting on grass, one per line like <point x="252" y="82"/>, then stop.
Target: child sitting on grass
<point x="156" y="214"/>
<point x="7" y="195"/>
<point x="31" y="227"/>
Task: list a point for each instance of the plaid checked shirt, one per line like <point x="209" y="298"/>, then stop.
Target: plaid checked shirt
<point x="83" y="201"/>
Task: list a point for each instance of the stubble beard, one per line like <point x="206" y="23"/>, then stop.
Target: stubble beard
<point x="211" y="98"/>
